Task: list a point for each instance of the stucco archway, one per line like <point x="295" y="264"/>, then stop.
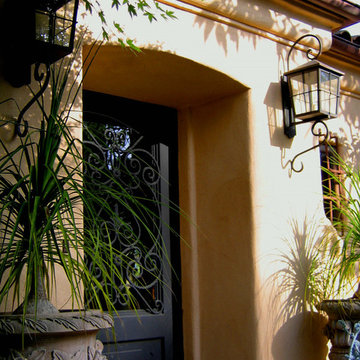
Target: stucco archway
<point x="215" y="190"/>
<point x="156" y="77"/>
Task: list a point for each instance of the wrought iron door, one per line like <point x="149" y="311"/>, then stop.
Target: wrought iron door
<point x="137" y="143"/>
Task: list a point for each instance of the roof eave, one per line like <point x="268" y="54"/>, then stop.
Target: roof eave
<point x="340" y="13"/>
<point x="350" y="12"/>
<point x="344" y="50"/>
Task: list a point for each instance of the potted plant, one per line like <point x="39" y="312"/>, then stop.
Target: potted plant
<point x="49" y="220"/>
<point x="344" y="314"/>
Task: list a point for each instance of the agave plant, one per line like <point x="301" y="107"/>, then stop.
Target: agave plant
<point x="44" y="203"/>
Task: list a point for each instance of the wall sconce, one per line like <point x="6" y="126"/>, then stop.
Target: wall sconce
<point x="42" y="31"/>
<point x="310" y="92"/>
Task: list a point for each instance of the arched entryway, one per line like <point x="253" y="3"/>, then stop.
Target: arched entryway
<point x="214" y="188"/>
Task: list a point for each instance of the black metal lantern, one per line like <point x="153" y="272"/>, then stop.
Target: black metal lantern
<point x="35" y="32"/>
<point x="42" y="31"/>
<point x="54" y="29"/>
<point x="310" y="92"/>
<point x="314" y="90"/>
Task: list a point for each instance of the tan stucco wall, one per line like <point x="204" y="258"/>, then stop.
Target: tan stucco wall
<point x="220" y="64"/>
<point x="218" y="263"/>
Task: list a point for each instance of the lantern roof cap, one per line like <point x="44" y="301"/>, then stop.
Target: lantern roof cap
<point x="312" y="65"/>
<point x="50" y="5"/>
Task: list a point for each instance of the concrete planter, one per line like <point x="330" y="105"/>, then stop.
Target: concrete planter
<point x="60" y="336"/>
<point x="343" y="315"/>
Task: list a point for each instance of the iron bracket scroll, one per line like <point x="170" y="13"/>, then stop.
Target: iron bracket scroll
<point x="38" y="76"/>
<point x="309" y="52"/>
<point x="319" y="134"/>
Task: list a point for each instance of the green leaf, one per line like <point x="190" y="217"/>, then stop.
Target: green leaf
<point x="118" y="27"/>
<point x="132" y="46"/>
<point x="142" y="5"/>
<point x="121" y="42"/>
<point x="158" y="6"/>
<point x="105" y="34"/>
<point x="170" y="14"/>
<point x="132" y="10"/>
<point x="150" y="16"/>
<point x="102" y="17"/>
<point x="88" y="6"/>
<point x="115" y="3"/>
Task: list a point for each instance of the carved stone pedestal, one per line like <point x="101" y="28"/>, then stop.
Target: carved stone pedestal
<point x="343" y="326"/>
<point x="60" y="336"/>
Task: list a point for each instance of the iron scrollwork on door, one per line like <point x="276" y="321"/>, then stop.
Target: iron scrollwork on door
<point x="134" y="164"/>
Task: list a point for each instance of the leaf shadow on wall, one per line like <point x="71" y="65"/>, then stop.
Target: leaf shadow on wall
<point x="301" y="337"/>
<point x="305" y="278"/>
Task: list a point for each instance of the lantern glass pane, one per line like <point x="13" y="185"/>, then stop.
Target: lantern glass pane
<point x="334" y="88"/>
<point x="297" y="90"/>
<point x="63" y="23"/>
<point x="329" y="83"/>
<point x="325" y="94"/>
<point x="311" y="88"/>
<point x="304" y="90"/>
<point x="42" y="27"/>
<point x="54" y="22"/>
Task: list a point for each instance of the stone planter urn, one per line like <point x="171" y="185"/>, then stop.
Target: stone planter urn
<point x="60" y="336"/>
<point x="343" y="326"/>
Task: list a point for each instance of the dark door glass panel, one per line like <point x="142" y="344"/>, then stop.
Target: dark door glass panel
<point x="134" y="164"/>
<point x="137" y="144"/>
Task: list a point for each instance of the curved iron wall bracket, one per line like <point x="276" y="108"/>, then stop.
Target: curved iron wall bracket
<point x="309" y="52"/>
<point x="289" y="114"/>
<point x="319" y="135"/>
<point x="22" y="126"/>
